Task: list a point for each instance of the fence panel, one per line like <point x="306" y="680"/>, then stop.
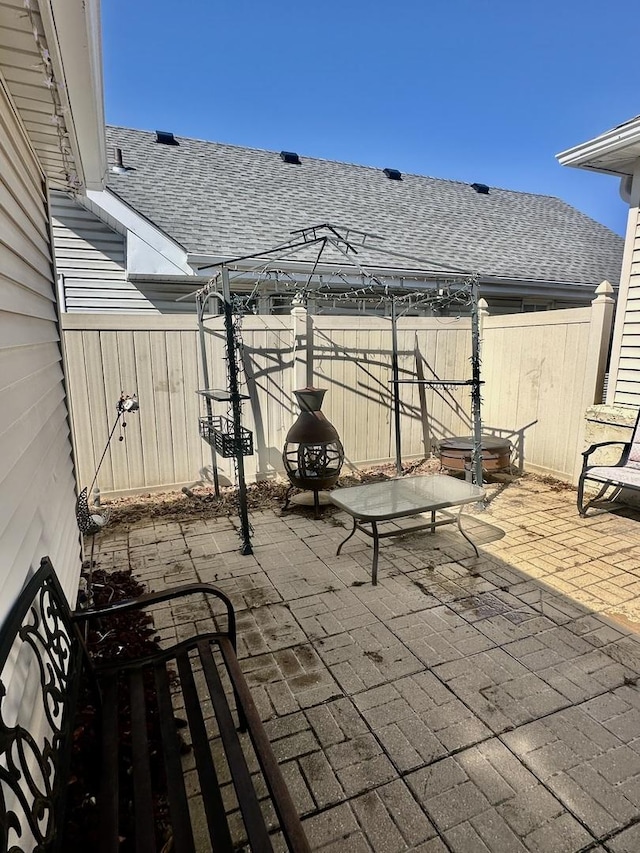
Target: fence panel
<point x="533" y="366"/>
<point x="536" y="368"/>
<point x="353" y="361"/>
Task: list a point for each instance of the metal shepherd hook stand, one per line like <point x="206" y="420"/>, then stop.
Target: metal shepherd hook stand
<point x="226" y="436"/>
<point x="89" y="521"/>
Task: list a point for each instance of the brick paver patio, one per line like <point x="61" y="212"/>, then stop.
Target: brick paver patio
<point x="461" y="705"/>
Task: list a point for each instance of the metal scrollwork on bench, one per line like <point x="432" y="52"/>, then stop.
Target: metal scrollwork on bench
<point x="29" y="774"/>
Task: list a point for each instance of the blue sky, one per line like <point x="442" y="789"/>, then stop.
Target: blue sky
<point x="471" y="90"/>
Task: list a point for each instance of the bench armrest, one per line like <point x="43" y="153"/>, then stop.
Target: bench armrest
<point x="586" y="453"/>
<point x="150" y="598"/>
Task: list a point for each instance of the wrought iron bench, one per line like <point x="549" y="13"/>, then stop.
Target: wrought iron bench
<point x="41" y="636"/>
<point x="625" y="474"/>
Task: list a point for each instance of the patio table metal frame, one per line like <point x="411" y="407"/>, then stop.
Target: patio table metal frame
<point x="404" y="497"/>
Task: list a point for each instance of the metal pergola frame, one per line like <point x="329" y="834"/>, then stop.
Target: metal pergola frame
<point x="441" y="286"/>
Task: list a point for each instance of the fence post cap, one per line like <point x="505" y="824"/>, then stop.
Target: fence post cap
<point x="604" y="292"/>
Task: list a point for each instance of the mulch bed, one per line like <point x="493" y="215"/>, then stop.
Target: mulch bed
<point x="267" y="494"/>
<point x="201" y="501"/>
<point x="126" y="636"/>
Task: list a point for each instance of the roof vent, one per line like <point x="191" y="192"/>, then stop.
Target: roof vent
<point x="393" y="174"/>
<point x="166" y="138"/>
<point x="119" y="168"/>
<point x="482" y="189"/>
<point x="290" y="157"/>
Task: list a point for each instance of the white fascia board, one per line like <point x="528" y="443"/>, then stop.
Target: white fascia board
<point x="199" y="260"/>
<point x="567" y="292"/>
<point x="536" y="283"/>
<point x="611" y="143"/>
<point x="72" y="29"/>
<point x="298" y="272"/>
<point x="149" y="250"/>
<point x="209" y="265"/>
<point x="393" y="275"/>
<point x="164" y="278"/>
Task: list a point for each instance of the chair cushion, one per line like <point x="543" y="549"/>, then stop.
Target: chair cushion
<point x="628" y="475"/>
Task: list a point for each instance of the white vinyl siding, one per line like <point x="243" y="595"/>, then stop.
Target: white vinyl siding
<point x="627" y="388"/>
<point x="37" y="487"/>
<point x="91" y="258"/>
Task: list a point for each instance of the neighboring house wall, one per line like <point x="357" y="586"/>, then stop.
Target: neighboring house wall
<point x="624" y="377"/>
<point x="154" y="271"/>
<point x="91" y="258"/>
<point x="98" y="256"/>
<point x="36" y="471"/>
<point x="541" y="371"/>
<point x="535" y="301"/>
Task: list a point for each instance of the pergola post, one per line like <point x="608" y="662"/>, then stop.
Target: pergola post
<point x="476" y="457"/>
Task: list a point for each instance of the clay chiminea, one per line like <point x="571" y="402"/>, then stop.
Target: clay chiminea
<point x="313" y="453"/>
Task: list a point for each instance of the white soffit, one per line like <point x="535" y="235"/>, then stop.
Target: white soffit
<point x="615" y="152"/>
<point x="51" y="62"/>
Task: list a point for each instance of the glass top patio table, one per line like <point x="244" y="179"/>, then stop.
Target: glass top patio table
<point x="405" y="496"/>
<point x="402" y="497"/>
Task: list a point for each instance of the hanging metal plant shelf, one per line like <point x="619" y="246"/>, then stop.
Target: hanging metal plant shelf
<point x="219" y="395"/>
<point x="218" y="431"/>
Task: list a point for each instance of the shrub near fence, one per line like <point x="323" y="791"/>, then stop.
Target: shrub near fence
<point x="540" y="373"/>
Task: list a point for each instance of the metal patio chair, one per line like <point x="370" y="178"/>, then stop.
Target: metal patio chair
<point x="625" y="474"/>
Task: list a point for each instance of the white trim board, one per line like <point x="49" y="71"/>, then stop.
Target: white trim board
<point x="149" y="250"/>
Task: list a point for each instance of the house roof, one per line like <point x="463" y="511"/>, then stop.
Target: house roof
<point x="224" y="201"/>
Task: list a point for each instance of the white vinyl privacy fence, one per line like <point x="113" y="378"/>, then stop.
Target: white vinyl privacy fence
<point x="540" y="373"/>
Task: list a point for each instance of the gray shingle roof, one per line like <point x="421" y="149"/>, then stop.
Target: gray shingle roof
<point x="226" y="200"/>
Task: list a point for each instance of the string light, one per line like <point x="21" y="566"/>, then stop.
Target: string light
<point x="449" y="289"/>
<point x="445" y="288"/>
<point x="69" y="175"/>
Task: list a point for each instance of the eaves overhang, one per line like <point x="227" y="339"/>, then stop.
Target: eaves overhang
<point x="542" y="283"/>
<point x="208" y="265"/>
<point x="564" y="291"/>
<point x="154" y="278"/>
<point x="51" y="65"/>
<point x="74" y="28"/>
<point x="615" y="152"/>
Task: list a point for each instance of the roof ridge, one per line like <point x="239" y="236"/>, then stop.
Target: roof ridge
<point x="303" y="156"/>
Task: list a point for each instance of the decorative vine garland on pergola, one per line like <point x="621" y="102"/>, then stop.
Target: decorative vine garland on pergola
<point x="440" y="287"/>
